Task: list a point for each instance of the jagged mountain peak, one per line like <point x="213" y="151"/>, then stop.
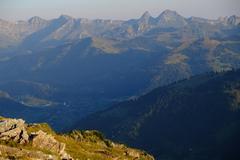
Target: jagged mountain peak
<point x="65" y="17"/>
<point x="234" y="16"/>
<point x="233" y="20"/>
<point x="168" y="14"/>
<point x="146" y="15"/>
<point x="145" y="21"/>
<point x="169" y="18"/>
<point x="36" y="19"/>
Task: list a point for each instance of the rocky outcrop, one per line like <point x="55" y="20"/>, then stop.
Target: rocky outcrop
<point x="46" y="141"/>
<point x="39" y="142"/>
<point x="132" y="153"/>
<point x="13" y="129"/>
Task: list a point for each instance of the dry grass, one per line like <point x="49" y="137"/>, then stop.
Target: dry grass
<point x="176" y="59"/>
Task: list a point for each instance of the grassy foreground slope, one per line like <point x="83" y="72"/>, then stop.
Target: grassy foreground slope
<point x="41" y="142"/>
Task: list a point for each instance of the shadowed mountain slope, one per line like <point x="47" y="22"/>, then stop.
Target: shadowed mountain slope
<point x="198" y="118"/>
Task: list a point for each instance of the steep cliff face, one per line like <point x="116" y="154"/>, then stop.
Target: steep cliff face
<point x="19" y="140"/>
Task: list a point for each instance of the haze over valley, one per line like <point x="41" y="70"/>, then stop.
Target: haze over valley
<point x="157" y="83"/>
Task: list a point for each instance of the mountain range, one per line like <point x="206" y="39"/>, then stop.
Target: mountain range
<point x="166" y="84"/>
<point x="67" y="67"/>
<point x="39" y="31"/>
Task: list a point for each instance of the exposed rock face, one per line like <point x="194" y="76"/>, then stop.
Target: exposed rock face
<point x="45" y="141"/>
<point x="13" y="129"/>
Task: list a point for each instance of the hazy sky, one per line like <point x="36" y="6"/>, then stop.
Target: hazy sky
<point x="114" y="9"/>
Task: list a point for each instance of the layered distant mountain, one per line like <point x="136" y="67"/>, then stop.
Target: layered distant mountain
<point x="194" y="119"/>
<point x="37" y="31"/>
<point x="79" y="66"/>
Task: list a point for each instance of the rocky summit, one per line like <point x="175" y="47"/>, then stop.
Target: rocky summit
<point x="13" y="130"/>
<point x="19" y="140"/>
